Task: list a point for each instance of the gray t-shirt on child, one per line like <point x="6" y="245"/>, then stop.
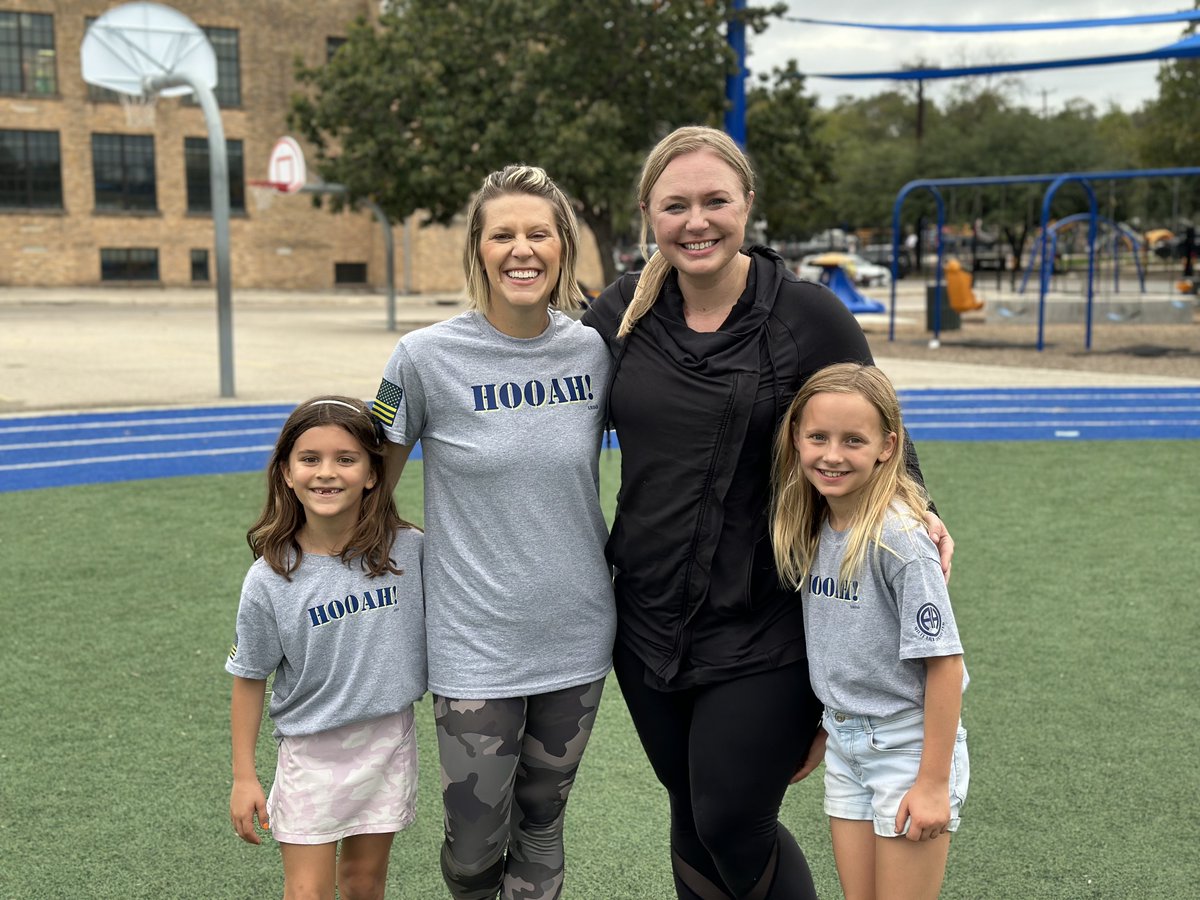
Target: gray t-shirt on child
<point x="868" y="639"/>
<point x="344" y="647"/>
<point x="519" y="596"/>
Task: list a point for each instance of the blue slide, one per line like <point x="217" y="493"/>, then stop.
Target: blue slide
<point x="836" y="279"/>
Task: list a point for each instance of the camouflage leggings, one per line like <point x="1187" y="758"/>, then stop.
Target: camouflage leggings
<point x="507" y="768"/>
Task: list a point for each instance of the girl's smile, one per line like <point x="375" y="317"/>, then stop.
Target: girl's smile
<point x="840" y="440"/>
<point x="329" y="471"/>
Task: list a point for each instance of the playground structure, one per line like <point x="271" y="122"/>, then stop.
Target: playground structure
<point x="1172" y="308"/>
<point x="835" y="277"/>
<point x="1188" y="48"/>
<point x="959" y="288"/>
<point x="1116" y="235"/>
<point x="1118" y="249"/>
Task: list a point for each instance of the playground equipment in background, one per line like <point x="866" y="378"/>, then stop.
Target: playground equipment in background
<point x="834" y="275"/>
<point x="1108" y="245"/>
<point x="1053" y="183"/>
<point x="958" y="287"/>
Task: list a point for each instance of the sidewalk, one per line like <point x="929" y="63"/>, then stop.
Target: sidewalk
<point x="93" y="348"/>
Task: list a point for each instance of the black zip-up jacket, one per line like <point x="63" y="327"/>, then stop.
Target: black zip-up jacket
<point x="698" y="597"/>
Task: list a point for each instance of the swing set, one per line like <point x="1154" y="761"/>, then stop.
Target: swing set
<point x="1044" y="249"/>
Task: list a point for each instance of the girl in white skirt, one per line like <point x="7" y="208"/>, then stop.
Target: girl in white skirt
<point x="332" y="607"/>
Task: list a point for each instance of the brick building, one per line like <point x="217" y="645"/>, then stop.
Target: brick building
<point x="89" y="198"/>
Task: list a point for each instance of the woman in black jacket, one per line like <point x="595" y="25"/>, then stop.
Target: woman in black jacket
<point x="710" y="343"/>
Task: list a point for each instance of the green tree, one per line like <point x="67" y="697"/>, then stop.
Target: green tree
<point x="415" y="111"/>
<point x="875" y="153"/>
<point x="790" y="159"/>
<point x="1168" y="133"/>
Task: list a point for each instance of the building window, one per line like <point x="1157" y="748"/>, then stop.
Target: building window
<point x="98" y="94"/>
<point x="331" y="47"/>
<point x="199" y="190"/>
<point x="200" y="265"/>
<point x="349" y="273"/>
<point x="229" y="80"/>
<point x="30" y="170"/>
<point x="27" y="58"/>
<point x="123" y="166"/>
<point x="128" y="264"/>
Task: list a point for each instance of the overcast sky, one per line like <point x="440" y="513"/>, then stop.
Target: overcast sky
<point x="819" y="48"/>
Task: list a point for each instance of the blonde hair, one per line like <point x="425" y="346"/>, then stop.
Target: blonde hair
<point x="798" y="509"/>
<point x="531" y="180"/>
<point x="681" y="141"/>
<point x="273" y="535"/>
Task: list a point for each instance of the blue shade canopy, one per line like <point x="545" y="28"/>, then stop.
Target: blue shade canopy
<point x="1185" y="49"/>
<point x="1148" y="19"/>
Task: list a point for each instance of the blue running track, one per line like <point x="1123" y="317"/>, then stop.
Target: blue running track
<point x="90" y="448"/>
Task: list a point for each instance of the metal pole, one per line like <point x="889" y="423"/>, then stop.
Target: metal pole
<point x="407" y="239"/>
<point x="389" y="249"/>
<point x="389" y="255"/>
<point x="218" y="176"/>
<point x="735" y="85"/>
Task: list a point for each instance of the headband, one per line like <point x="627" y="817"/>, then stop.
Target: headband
<point x="338" y="403"/>
<point x="380" y="434"/>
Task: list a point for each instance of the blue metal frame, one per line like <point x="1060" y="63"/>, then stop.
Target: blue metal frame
<point x="1118" y="230"/>
<point x="1054" y="182"/>
<point x="735" y="85"/>
<point x="932" y="185"/>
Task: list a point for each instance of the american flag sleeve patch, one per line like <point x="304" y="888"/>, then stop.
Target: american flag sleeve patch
<point x="387" y="401"/>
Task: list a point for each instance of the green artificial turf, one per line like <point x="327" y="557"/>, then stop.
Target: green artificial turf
<point x="1074" y="585"/>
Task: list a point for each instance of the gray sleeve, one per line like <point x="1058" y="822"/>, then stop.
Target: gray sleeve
<point x="927" y="625"/>
<point x="400" y="402"/>
<point x="257" y="649"/>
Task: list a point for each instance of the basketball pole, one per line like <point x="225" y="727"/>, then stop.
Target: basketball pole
<point x="389" y="249"/>
<point x="218" y="176"/>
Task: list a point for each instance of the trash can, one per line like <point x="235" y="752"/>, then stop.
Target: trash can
<point x="951" y="320"/>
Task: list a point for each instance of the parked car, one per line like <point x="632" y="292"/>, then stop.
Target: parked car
<point x="881" y="255"/>
<point x="629" y="258"/>
<point x="862" y="272"/>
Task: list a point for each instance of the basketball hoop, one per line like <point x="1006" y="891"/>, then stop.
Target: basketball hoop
<point x="139" y="109"/>
<point x="264" y="192"/>
<point x="286" y="166"/>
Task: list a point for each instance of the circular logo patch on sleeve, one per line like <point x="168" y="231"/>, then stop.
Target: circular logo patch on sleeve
<point x="929" y="620"/>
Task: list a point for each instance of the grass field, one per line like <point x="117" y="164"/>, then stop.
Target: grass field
<point x="1075" y="584"/>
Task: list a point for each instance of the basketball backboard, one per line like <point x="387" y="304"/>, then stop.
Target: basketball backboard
<point x="286" y="168"/>
<point x="136" y="41"/>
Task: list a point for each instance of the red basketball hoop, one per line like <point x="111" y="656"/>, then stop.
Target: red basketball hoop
<point x="264" y="192"/>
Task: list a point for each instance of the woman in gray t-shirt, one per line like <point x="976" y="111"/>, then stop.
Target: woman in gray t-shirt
<point x="507" y="400"/>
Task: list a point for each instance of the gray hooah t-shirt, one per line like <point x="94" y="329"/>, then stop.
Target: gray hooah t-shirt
<point x="518" y="593"/>
<point x="344" y="646"/>
<point x="868" y="638"/>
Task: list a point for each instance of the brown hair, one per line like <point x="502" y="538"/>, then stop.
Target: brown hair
<point x="273" y="535"/>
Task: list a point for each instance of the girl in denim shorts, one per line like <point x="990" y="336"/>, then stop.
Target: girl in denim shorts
<point x="883" y="648"/>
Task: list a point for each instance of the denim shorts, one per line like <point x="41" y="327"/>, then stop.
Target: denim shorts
<point x="870" y="763"/>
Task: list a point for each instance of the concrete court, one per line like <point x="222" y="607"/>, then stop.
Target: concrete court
<point x="92" y="348"/>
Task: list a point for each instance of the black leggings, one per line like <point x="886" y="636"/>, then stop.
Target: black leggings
<point x="725" y="752"/>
